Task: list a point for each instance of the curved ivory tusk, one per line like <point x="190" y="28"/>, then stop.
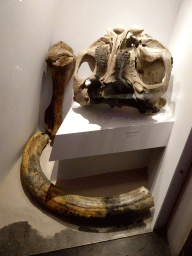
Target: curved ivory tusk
<point x="59" y="201"/>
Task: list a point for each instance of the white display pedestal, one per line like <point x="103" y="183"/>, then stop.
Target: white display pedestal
<point x="99" y="130"/>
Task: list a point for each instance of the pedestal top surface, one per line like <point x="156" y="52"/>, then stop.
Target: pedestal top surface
<point x="98" y="117"/>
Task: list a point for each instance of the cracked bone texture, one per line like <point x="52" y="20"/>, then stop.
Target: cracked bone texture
<point x="129" y="68"/>
<point x="135" y="204"/>
<point x="61" y="60"/>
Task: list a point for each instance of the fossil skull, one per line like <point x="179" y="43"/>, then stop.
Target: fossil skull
<point x="129" y="68"/>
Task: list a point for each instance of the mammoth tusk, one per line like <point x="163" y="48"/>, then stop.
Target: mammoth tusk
<point x="132" y="203"/>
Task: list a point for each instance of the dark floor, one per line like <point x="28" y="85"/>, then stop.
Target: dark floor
<point x="150" y="244"/>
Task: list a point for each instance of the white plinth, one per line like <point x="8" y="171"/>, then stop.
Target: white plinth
<point x="99" y="129"/>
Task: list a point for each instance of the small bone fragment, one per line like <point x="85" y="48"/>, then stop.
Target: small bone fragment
<point x="61" y="60"/>
<point x="133" y="203"/>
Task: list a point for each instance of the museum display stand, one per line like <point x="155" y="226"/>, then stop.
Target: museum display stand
<point x="98" y="151"/>
<point x="98" y="130"/>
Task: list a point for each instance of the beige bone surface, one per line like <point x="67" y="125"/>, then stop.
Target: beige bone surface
<point x="147" y="71"/>
<point x="61" y="60"/>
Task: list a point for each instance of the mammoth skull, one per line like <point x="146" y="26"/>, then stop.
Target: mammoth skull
<point x="129" y="68"/>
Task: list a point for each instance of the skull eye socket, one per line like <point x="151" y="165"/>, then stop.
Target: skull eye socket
<point x="132" y="42"/>
<point x="86" y="67"/>
<point x="150" y="72"/>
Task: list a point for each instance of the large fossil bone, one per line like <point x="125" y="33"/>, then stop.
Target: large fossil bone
<point x="128" y="67"/>
<point x="133" y="203"/>
<point x="61" y="60"/>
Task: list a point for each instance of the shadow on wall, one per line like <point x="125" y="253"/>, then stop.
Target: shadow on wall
<point x="45" y="97"/>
